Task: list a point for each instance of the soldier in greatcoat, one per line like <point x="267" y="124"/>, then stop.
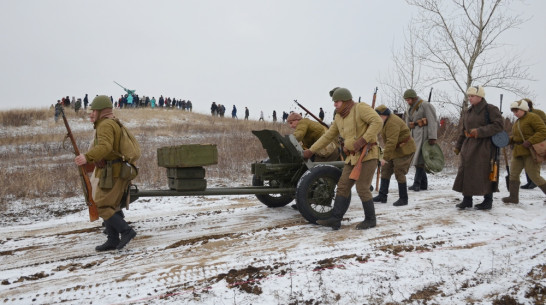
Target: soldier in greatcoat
<point x="478" y="124"/>
<point x="397" y="155"/>
<point x="422" y="121"/>
<point x="528" y="129"/>
<point x="358" y="124"/>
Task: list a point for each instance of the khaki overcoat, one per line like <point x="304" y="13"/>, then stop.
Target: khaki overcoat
<point x="395" y="134"/>
<point x="476" y="154"/>
<point x="362" y="121"/>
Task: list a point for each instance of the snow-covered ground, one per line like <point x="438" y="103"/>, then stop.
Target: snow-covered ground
<point x="235" y="250"/>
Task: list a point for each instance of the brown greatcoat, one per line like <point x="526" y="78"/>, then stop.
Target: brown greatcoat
<point x="477" y="153"/>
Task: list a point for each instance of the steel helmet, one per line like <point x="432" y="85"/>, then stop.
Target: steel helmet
<point x="101" y="102"/>
<point x="342" y="94"/>
<point x="410" y="93"/>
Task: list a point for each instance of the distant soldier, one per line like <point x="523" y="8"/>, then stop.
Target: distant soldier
<point x="397" y="155"/>
<point x="530" y="185"/>
<point x="85" y="102"/>
<point x="261" y="116"/>
<point x="214" y="109"/>
<point x="421" y="120"/>
<point x="247" y="113"/>
<point x="78" y="105"/>
<point x="274" y="116"/>
<point x="234" y="112"/>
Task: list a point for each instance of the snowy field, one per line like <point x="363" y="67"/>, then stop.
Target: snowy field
<point x="235" y="250"/>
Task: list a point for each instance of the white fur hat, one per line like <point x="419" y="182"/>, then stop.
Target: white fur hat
<point x="521" y="104"/>
<point x="476" y="90"/>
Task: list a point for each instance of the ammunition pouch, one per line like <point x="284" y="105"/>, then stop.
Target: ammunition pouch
<point x="106" y="179"/>
<point x="128" y="171"/>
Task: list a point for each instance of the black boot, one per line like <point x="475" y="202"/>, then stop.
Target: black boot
<point x="417" y="179"/>
<point x="424" y="180"/>
<point x="403" y="194"/>
<point x="530" y="184"/>
<point x="383" y="191"/>
<point x="121" y="226"/>
<point x="467" y="203"/>
<point x="341" y="205"/>
<point x="487" y="202"/>
<point x="112" y="240"/>
<point x="369" y="216"/>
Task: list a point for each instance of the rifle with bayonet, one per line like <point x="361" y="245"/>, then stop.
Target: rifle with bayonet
<point x="86" y="184"/>
<point x="355" y="173"/>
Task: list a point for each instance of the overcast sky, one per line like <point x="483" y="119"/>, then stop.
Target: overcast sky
<point x="253" y="53"/>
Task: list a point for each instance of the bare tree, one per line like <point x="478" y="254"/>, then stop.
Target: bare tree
<point x="458" y="44"/>
<point x="405" y="74"/>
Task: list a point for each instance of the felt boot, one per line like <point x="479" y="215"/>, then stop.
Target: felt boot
<point x="514" y="193"/>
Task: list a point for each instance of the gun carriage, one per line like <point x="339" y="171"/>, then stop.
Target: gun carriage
<point x="282" y="178"/>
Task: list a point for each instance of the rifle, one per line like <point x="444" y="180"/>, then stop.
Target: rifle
<point x="86" y="184"/>
<point x="507" y="168"/>
<point x="311" y="114"/>
<point x="355" y="173"/>
<point x="430" y="94"/>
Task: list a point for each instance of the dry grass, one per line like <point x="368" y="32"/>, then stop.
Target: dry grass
<point x="35" y="163"/>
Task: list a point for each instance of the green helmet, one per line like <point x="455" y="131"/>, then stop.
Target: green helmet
<point x="410" y="93"/>
<point x="342" y="94"/>
<point x="101" y="102"/>
<point x="332" y="91"/>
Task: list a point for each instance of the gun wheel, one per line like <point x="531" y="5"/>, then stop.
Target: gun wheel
<point x="272" y="200"/>
<point x="315" y="192"/>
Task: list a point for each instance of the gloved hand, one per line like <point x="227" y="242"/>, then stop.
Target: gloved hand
<point x="456" y="151"/>
<point x="431" y="141"/>
<point x="307" y="154"/>
<point x="359" y="144"/>
<point x="474" y="133"/>
<point x="526" y="144"/>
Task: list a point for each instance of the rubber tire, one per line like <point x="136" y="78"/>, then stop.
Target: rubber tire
<point x="317" y="185"/>
<point x="272" y="200"/>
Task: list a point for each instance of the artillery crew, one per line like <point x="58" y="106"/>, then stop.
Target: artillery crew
<point x="528" y="129"/>
<point x="308" y="132"/>
<point x="358" y="124"/>
<point x="421" y="120"/>
<point x="397" y="155"/>
<point x="476" y="175"/>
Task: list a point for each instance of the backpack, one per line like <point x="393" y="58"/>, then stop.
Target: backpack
<point x="129" y="149"/>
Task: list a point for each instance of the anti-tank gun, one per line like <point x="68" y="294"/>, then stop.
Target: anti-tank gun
<point x="129" y="92"/>
<point x="282" y="178"/>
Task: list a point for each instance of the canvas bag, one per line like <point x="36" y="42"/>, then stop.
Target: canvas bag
<point x="129" y="152"/>
<point x="538" y="151"/>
